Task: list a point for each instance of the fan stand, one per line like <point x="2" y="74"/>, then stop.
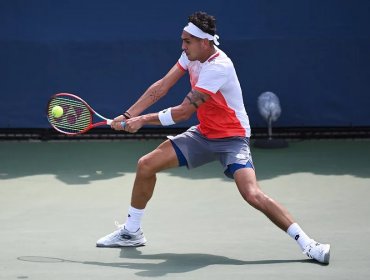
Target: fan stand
<point x="270" y="143"/>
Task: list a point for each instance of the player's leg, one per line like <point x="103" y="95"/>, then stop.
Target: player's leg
<point x="248" y="187"/>
<point x="130" y="234"/>
<point x="245" y="179"/>
<point x="163" y="157"/>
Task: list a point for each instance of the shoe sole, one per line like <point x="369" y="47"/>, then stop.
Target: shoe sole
<point x="138" y="243"/>
<point x="327" y="256"/>
<point x="119" y="246"/>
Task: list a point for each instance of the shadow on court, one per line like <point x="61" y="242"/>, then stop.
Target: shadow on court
<point x="155" y="265"/>
<point x="79" y="163"/>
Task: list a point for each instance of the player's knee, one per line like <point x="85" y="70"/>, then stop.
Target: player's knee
<point x="145" y="166"/>
<point x="254" y="197"/>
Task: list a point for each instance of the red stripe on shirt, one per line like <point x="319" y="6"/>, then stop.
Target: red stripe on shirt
<point x="214" y="56"/>
<point x="180" y="67"/>
<point x="204" y="90"/>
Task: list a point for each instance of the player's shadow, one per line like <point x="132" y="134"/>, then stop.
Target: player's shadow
<point x="155" y="265"/>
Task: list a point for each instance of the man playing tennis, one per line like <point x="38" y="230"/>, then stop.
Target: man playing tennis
<point x="222" y="134"/>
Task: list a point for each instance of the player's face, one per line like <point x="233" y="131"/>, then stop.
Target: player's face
<point x="192" y="46"/>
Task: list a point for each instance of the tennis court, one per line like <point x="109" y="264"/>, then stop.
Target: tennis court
<point x="57" y="198"/>
<point x="308" y="61"/>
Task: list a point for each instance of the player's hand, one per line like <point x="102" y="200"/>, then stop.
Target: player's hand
<point x="134" y="124"/>
<point x="117" y="122"/>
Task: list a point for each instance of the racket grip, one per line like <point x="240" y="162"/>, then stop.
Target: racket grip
<point x="123" y="124"/>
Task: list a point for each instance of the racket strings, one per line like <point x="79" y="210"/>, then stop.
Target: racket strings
<point x="76" y="115"/>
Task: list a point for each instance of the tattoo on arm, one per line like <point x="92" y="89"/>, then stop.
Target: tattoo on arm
<point x="192" y="102"/>
<point x="154" y="96"/>
<point x="195" y="98"/>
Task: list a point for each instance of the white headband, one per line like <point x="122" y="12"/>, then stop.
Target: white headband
<point x="199" y="33"/>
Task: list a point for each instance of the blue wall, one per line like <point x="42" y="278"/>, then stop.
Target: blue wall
<point x="314" y="54"/>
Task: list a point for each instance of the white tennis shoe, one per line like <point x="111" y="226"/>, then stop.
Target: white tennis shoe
<point x="318" y="252"/>
<point x="122" y="238"/>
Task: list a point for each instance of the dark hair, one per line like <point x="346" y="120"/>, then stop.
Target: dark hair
<point x="204" y="21"/>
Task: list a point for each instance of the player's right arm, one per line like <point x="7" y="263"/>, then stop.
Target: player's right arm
<point x="176" y="114"/>
<point x="155" y="92"/>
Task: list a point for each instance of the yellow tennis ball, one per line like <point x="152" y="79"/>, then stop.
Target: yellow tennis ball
<point x="57" y="111"/>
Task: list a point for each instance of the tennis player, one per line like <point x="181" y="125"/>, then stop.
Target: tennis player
<point x="222" y="135"/>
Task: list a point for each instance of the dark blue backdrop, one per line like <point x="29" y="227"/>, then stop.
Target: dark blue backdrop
<point x="314" y="54"/>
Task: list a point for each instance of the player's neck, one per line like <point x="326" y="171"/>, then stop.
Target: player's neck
<point x="211" y="51"/>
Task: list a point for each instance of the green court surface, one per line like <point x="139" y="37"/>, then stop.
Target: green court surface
<point x="58" y="198"/>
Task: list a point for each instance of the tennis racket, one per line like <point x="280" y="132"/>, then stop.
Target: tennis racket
<point x="77" y="116"/>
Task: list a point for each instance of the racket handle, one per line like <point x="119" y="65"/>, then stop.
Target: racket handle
<point x="123" y="124"/>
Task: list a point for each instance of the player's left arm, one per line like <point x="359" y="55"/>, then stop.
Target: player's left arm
<point x="182" y="112"/>
<point x="193" y="100"/>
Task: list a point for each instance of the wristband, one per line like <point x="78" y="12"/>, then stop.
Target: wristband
<point x="127" y="115"/>
<point x="165" y="117"/>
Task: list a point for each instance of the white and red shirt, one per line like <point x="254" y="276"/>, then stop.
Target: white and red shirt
<point x="223" y="115"/>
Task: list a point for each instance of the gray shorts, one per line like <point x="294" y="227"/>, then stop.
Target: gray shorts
<point x="231" y="152"/>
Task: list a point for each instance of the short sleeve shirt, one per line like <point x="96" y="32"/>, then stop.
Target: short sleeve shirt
<point x="224" y="114"/>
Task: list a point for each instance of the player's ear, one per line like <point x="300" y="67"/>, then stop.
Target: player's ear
<point x="205" y="43"/>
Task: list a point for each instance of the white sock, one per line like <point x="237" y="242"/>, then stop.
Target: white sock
<point x="133" y="219"/>
<point x="299" y="235"/>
